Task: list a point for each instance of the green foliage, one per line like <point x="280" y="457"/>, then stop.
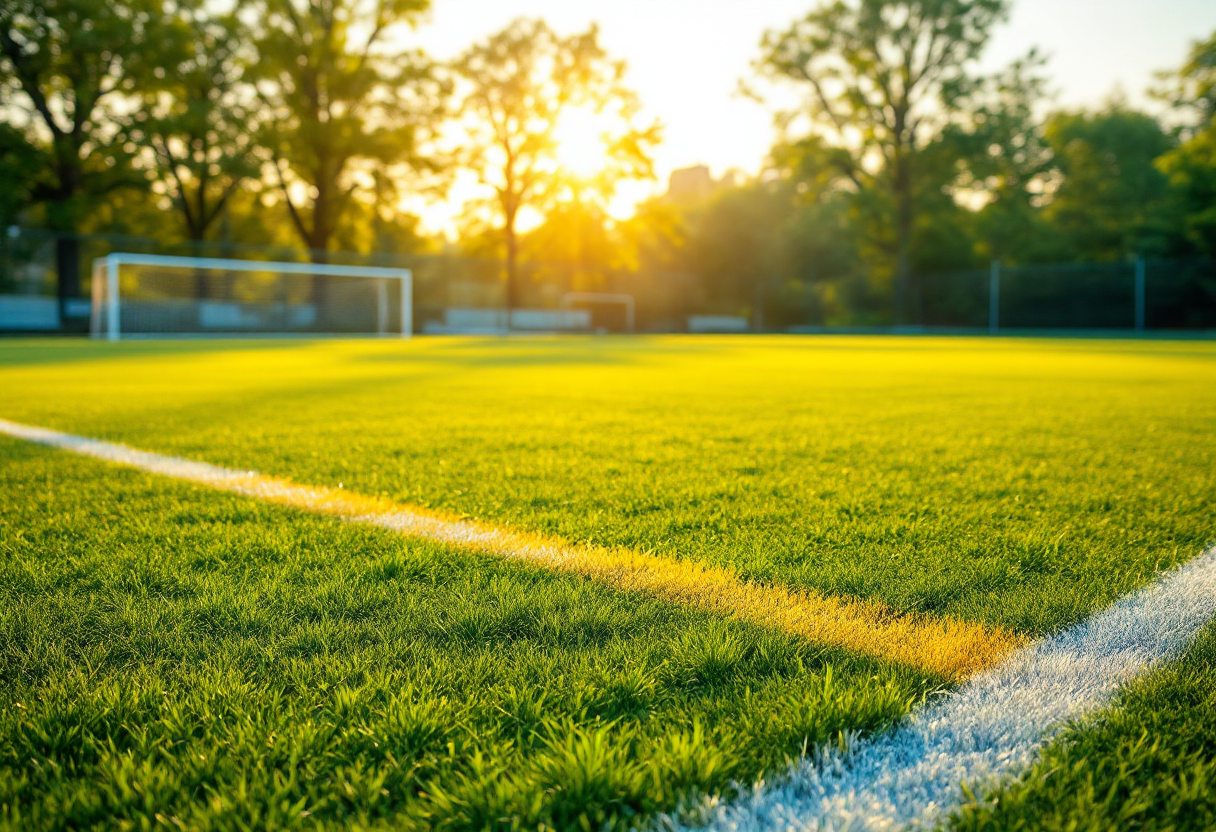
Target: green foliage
<point x="769" y="249"/>
<point x="765" y="247"/>
<point x="1191" y="167"/>
<point x="735" y="238"/>
<point x="576" y="247"/>
<point x="1149" y="763"/>
<point x="339" y="103"/>
<point x="877" y="77"/>
<point x="300" y="123"/>
<point x="66" y="65"/>
<point x="196" y="121"/>
<point x="1111" y="199"/>
<point x="515" y="89"/>
<point x="20" y="163"/>
<point x="1002" y="161"/>
<point x="1191" y="90"/>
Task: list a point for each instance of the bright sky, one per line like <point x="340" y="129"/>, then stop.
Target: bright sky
<point x="686" y="57"/>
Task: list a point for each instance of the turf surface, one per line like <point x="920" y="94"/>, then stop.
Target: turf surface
<point x="1020" y="483"/>
<point x="169" y="655"/>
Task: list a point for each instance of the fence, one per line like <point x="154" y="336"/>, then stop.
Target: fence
<point x="1139" y="295"/>
<point x="463" y="294"/>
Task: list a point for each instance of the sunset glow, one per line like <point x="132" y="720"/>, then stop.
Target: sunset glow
<point x="691" y="82"/>
<point x="581" y="149"/>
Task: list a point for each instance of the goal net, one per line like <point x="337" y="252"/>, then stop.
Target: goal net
<point x="154" y="295"/>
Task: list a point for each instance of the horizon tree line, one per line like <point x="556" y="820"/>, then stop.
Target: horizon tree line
<point x="308" y="121"/>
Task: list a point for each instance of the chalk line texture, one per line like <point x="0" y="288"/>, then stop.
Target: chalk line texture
<point x="954" y="648"/>
<point x="991" y="728"/>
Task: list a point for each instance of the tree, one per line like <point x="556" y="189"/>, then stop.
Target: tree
<point x="339" y="103"/>
<point x="1191" y="90"/>
<point x="65" y="65"/>
<point x="516" y="88"/>
<point x="576" y="245"/>
<point x="20" y="162"/>
<point x="1112" y="200"/>
<point x="1191" y="166"/>
<point x="880" y="77"/>
<point x="196" y="121"/>
<point x="655" y="238"/>
<point x="820" y="174"/>
<point x="735" y="240"/>
<point x="1001" y="158"/>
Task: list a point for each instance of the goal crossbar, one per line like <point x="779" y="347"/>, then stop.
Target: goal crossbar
<point x="106" y="295"/>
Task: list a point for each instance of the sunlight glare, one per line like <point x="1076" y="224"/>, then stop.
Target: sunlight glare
<point x="580" y="141"/>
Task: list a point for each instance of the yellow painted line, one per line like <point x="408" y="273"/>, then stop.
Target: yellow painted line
<point x="952" y="647"/>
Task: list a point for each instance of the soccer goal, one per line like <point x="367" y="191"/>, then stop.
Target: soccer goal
<point x="623" y="302"/>
<point x="151" y="295"/>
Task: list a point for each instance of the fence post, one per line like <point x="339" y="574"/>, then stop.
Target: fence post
<point x="1140" y="293"/>
<point x="994" y="297"/>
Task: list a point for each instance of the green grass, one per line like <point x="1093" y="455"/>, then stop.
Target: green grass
<point x="169" y="654"/>
<point x="1020" y="482"/>
<point x="170" y="651"/>
<point x="1147" y="764"/>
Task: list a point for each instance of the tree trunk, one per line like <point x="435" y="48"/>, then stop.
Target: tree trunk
<point x="67" y="265"/>
<point x="318" y="240"/>
<point x="226" y="248"/>
<point x="903" y="240"/>
<point x="318" y="245"/>
<point x="62" y="215"/>
<point x="512" y="300"/>
<point x="200" y="275"/>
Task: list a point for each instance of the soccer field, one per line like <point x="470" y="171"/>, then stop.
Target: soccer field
<point x="721" y="554"/>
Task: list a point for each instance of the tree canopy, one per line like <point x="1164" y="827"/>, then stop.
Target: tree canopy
<point x="880" y="78"/>
<point x="314" y="125"/>
<point x="516" y="88"/>
<point x="197" y="122"/>
<point x="339" y="103"/>
<point x="1191" y="166"/>
<point x="66" y="66"/>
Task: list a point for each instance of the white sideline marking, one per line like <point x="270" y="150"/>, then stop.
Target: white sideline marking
<point x="991" y="728"/>
<point x="253" y="484"/>
<point x="954" y="648"/>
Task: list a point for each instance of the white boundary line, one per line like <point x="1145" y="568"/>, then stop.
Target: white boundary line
<point x="954" y="648"/>
<point x="990" y="729"/>
<point x="253" y="484"/>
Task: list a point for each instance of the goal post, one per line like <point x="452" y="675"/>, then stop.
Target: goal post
<point x="626" y="303"/>
<point x="151" y="295"/>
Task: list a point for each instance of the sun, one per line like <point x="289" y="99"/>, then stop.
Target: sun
<point x="579" y="137"/>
